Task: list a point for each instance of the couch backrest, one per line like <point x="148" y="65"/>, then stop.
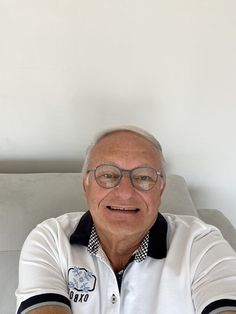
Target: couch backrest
<point x="28" y="199"/>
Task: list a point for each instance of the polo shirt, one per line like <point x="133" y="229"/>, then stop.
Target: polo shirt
<point x="182" y="266"/>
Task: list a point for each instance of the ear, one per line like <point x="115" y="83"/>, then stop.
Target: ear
<point x="163" y="185"/>
<point x="85" y="183"/>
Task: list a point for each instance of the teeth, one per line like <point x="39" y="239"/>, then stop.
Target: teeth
<point x="122" y="208"/>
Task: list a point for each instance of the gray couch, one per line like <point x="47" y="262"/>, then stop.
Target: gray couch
<point x="28" y="199"/>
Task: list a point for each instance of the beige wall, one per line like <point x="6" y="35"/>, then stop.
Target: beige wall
<point x="68" y="68"/>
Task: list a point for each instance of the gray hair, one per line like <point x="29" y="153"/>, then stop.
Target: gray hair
<point x="99" y="136"/>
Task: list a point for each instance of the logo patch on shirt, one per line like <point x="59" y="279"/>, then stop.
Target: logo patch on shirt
<point x="81" y="281"/>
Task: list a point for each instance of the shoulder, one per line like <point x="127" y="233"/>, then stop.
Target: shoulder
<point x="190" y="230"/>
<point x="67" y="221"/>
<point x="185" y="223"/>
<point x="191" y="236"/>
<point x="55" y="228"/>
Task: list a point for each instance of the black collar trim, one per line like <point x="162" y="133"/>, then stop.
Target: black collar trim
<point x="82" y="233"/>
<point x="157" y="245"/>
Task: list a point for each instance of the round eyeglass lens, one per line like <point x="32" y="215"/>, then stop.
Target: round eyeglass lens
<point x="107" y="176"/>
<point x="144" y="178"/>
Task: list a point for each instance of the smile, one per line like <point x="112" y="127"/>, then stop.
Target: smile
<point x="124" y="209"/>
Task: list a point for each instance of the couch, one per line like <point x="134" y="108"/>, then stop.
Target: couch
<point x="28" y="199"/>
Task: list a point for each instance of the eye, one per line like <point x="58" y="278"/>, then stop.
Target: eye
<point x="146" y="178"/>
<point x="143" y="178"/>
<point x="108" y="176"/>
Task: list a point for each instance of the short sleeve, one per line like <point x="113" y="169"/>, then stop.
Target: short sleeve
<point x="213" y="273"/>
<point x="42" y="280"/>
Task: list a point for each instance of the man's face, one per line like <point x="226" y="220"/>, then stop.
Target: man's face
<point x="127" y="151"/>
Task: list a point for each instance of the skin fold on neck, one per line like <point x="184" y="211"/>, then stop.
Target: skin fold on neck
<point x="119" y="250"/>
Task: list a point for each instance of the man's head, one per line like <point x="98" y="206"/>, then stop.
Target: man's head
<point x="99" y="136"/>
<point x="123" y="181"/>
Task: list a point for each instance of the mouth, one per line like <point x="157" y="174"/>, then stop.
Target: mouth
<point x="123" y="209"/>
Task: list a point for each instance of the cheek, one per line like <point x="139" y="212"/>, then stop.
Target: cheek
<point x="94" y="195"/>
<point x="153" y="200"/>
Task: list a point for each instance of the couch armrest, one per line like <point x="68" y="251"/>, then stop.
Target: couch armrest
<point x="216" y="218"/>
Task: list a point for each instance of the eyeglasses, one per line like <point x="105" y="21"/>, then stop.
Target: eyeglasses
<point x="109" y="176"/>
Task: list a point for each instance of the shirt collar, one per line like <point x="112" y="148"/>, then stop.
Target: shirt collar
<point x="154" y="243"/>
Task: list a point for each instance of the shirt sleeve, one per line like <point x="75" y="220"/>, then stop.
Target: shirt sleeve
<point x="42" y="280"/>
<point x="213" y="273"/>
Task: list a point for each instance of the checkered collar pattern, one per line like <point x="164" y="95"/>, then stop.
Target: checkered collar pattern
<point x="93" y="244"/>
<point x="139" y="256"/>
<point x="153" y="245"/>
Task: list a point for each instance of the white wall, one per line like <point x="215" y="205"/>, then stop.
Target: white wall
<point x="69" y="68"/>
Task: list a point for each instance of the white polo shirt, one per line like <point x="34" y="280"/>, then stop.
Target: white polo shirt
<point x="182" y="266"/>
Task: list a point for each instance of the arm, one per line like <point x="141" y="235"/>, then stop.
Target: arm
<point x="51" y="310"/>
<point x="214" y="274"/>
<point x="42" y="285"/>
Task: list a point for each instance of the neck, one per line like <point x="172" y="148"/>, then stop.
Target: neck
<point x="119" y="250"/>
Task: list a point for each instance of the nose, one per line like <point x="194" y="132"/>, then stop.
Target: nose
<point x="125" y="187"/>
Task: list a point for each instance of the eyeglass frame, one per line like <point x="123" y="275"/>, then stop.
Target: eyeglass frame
<point x="129" y="171"/>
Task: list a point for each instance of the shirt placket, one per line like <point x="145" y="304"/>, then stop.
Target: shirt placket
<point x="112" y="297"/>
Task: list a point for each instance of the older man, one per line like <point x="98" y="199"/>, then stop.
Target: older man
<point x="122" y="256"/>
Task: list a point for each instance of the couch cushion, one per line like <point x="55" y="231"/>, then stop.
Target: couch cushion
<point x="28" y="199"/>
<point x="176" y="197"/>
<point x="8" y="281"/>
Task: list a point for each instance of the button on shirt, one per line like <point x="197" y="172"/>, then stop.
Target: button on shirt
<point x="182" y="266"/>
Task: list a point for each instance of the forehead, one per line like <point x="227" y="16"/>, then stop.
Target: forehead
<point x="125" y="147"/>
